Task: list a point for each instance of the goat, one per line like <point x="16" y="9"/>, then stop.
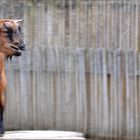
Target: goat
<point x="11" y="44"/>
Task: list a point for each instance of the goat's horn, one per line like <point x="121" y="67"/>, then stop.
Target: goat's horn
<point x="20" y="20"/>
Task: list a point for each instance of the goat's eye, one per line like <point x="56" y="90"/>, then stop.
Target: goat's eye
<point x="9" y="33"/>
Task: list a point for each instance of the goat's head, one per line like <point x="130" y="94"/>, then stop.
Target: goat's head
<point x="11" y="42"/>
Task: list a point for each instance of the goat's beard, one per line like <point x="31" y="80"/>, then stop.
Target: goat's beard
<point x="17" y="53"/>
<point x="9" y="57"/>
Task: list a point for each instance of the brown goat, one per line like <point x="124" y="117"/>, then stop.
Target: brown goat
<point x="10" y="45"/>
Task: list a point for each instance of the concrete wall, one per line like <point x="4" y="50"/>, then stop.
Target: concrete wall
<point x="80" y="71"/>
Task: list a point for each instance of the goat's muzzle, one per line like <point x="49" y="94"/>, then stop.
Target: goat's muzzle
<point x="17" y="50"/>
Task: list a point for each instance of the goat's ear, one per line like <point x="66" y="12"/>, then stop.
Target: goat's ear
<point x="19" y="21"/>
<point x="3" y="27"/>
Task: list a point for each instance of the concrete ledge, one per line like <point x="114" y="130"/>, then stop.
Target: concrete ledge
<point x="42" y="135"/>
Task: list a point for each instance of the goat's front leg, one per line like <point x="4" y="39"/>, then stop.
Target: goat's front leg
<point x="1" y="119"/>
<point x="1" y="115"/>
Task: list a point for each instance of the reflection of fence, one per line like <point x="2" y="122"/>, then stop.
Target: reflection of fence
<point x="94" y="91"/>
<point x="81" y="69"/>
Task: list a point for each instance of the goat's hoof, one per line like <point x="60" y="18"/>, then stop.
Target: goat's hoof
<point x="1" y="133"/>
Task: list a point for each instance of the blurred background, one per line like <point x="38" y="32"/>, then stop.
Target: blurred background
<point x="80" y="71"/>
